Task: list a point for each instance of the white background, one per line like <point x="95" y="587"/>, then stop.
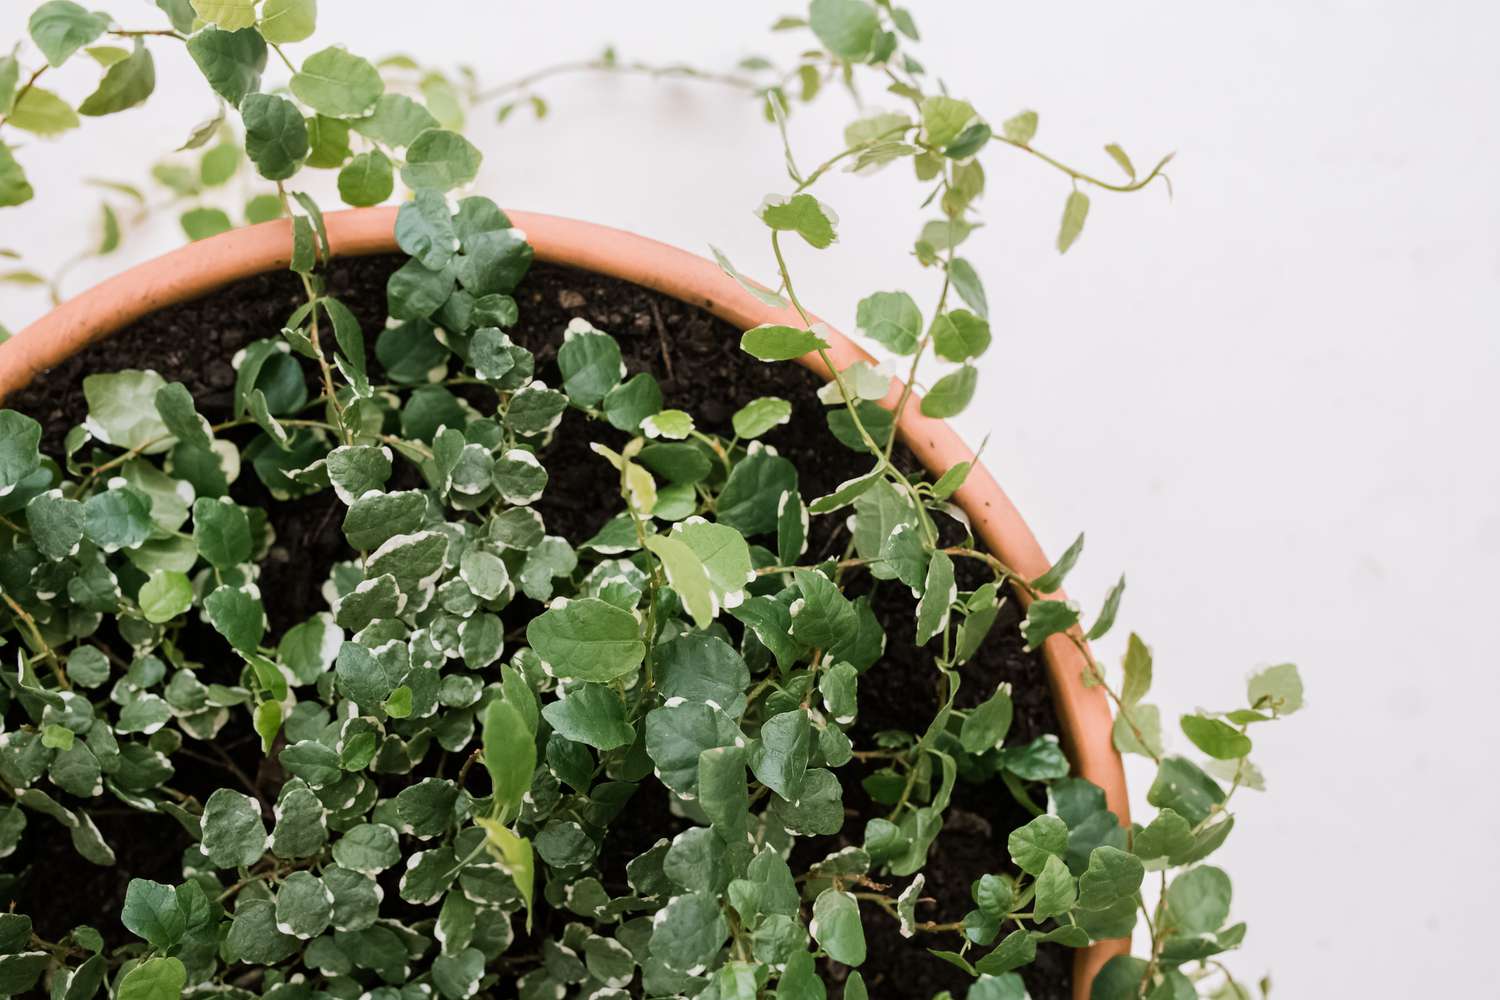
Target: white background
<point x="1271" y="400"/>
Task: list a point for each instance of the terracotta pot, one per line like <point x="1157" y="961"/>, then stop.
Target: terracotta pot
<point x="203" y="267"/>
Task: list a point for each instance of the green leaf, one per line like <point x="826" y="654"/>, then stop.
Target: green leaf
<point x="1112" y="875"/>
<point x="1045" y="619"/>
<point x="1278" y="688"/>
<point x="943" y="118"/>
<point x="56" y="523"/>
<point x="677" y="734"/>
<point x="591" y="714"/>
<point x="285" y="21"/>
<point x="151" y="912"/>
<point x="1031" y="845"/>
<point x="1021" y="128"/>
<point x="60" y="28"/>
<point x="587" y="639"/>
<point x="153" y="979"/>
<point x="126" y="84"/>
<point x="119" y="518"/>
<point x="1054" y="577"/>
<point x="1198" y="899"/>
<point x="1182" y="786"/>
<point x="231" y="61"/>
<point x="761" y="415"/>
<point x="802" y="214"/>
<point x="440" y="160"/>
<point x="847" y="28"/>
<point x="1108" y="612"/>
<point x="201" y="223"/>
<point x="823" y="616"/>
<point x="590" y="363"/>
<point x="780" y="755"/>
<point x="424" y="230"/>
<point x="892" y="319"/>
<point x="1137" y="671"/>
<point x="966" y="282"/>
<point x="396" y="121"/>
<point x="837" y="928"/>
<point x="275" y="135"/>
<point x="959" y="335"/>
<point x="1075" y="211"/>
<point x="1019" y="947"/>
<point x="950" y="395"/>
<point x="369" y="848"/>
<point x="515" y="854"/>
<point x="122" y="410"/>
<point x="14" y="188"/>
<point x="20" y="437"/>
<point x="231" y="14"/>
<point x="1055" y="891"/>
<point x="237" y="616"/>
<point x="1215" y="737"/>
<point x="771" y="342"/>
<point x="363" y="677"/>
<point x="41" y="112"/>
<point x="702" y="668"/>
<point x="687" y="576"/>
<point x="1118" y="155"/>
<point x="848" y="491"/>
<point x="938" y="594"/>
<point x="304" y="907"/>
<point x="233" y="833"/>
<point x="165" y="595"/>
<point x="688" y="932"/>
<point x="367" y="179"/>
<point x="986" y="726"/>
<point x="336" y="83"/>
<point x="758" y="291"/>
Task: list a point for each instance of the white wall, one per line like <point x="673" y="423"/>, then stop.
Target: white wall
<point x="1270" y="401"/>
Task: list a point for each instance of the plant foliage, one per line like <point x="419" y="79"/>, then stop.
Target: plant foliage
<point x="451" y="773"/>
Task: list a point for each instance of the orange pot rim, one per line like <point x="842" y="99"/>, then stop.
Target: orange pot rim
<point x="203" y="267"/>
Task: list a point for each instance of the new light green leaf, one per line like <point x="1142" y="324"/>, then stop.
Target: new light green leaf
<point x="154" y="979"/>
<point x="287" y="21"/>
<point x="509" y="755"/>
<point x="1075" y="211"/>
<point x="41" y="112"/>
<point x="229" y="14"/>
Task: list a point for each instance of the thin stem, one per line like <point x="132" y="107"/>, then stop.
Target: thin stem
<point x="1079" y="175"/>
<point x="604" y="65"/>
<point x="39" y="643"/>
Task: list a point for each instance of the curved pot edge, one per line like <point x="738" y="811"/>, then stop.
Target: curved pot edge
<point x="199" y="268"/>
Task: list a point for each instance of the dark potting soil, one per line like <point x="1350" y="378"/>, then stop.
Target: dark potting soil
<point x="697" y="360"/>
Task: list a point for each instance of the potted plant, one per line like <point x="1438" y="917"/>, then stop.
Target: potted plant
<point x="554" y="637"/>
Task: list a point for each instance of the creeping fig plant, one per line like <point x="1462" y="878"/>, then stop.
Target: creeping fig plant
<point x="449" y="741"/>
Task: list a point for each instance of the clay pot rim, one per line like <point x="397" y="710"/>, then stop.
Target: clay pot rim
<point x="203" y="267"/>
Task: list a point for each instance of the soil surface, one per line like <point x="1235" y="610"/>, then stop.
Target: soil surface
<point x="697" y="360"/>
